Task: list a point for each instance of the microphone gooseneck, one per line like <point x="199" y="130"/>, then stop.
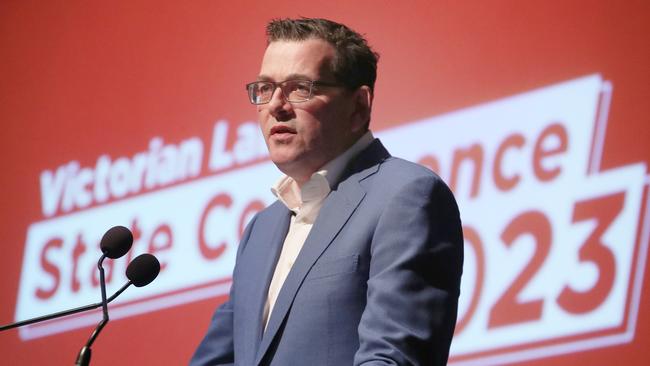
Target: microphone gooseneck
<point x="64" y="312"/>
<point x="115" y="243"/>
<point x="83" y="358"/>
<point x="141" y="271"/>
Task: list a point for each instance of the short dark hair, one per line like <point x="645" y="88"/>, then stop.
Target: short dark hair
<point x="355" y="63"/>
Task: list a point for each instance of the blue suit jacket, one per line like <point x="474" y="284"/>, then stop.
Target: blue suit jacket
<point x="376" y="282"/>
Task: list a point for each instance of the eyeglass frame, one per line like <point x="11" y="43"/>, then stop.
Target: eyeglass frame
<point x="279" y="84"/>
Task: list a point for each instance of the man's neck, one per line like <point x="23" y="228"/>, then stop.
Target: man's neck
<point x="335" y="167"/>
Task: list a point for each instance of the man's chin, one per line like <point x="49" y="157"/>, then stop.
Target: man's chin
<point x="290" y="165"/>
<point x="283" y="159"/>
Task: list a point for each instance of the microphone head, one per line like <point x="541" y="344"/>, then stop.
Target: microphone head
<point x="116" y="242"/>
<point x="143" y="269"/>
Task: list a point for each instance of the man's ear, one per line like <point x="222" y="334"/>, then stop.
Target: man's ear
<point x="362" y="106"/>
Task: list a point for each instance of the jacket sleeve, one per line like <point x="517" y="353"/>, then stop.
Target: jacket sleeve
<point x="414" y="278"/>
<point x="217" y="347"/>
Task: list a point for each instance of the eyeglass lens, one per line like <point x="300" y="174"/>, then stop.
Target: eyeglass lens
<point x="261" y="92"/>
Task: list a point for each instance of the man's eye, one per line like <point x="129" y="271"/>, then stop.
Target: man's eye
<point x="265" y="88"/>
<point x="300" y="88"/>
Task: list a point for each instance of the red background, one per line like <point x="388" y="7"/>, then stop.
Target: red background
<point x="79" y="79"/>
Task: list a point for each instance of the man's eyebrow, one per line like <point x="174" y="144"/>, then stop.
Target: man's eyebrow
<point x="289" y="77"/>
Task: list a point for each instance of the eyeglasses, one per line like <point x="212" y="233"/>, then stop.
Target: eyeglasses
<point x="294" y="91"/>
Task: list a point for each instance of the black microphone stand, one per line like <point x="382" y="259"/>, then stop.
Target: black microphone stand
<point x="115" y="243"/>
<point x="64" y="312"/>
<point x="140" y="272"/>
<point x="83" y="359"/>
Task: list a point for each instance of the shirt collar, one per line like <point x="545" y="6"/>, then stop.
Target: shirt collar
<point x="286" y="189"/>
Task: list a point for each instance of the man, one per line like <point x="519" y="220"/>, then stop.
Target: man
<point x="359" y="259"/>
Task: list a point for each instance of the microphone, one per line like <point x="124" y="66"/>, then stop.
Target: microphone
<point x="116" y="242"/>
<point x="143" y="270"/>
<point x="140" y="272"/>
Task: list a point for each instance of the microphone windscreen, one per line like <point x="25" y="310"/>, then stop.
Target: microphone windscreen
<point x="143" y="269"/>
<point x="116" y="242"/>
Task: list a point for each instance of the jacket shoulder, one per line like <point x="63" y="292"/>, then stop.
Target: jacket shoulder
<point x="398" y="172"/>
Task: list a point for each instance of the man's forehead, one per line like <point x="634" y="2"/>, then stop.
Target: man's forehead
<point x="296" y="59"/>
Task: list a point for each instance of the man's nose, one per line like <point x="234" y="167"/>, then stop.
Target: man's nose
<point x="278" y="105"/>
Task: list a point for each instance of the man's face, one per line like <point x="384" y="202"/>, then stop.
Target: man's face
<point x="302" y="137"/>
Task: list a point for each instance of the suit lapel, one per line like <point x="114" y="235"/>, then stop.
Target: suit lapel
<point x="336" y="211"/>
<point x="267" y="260"/>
